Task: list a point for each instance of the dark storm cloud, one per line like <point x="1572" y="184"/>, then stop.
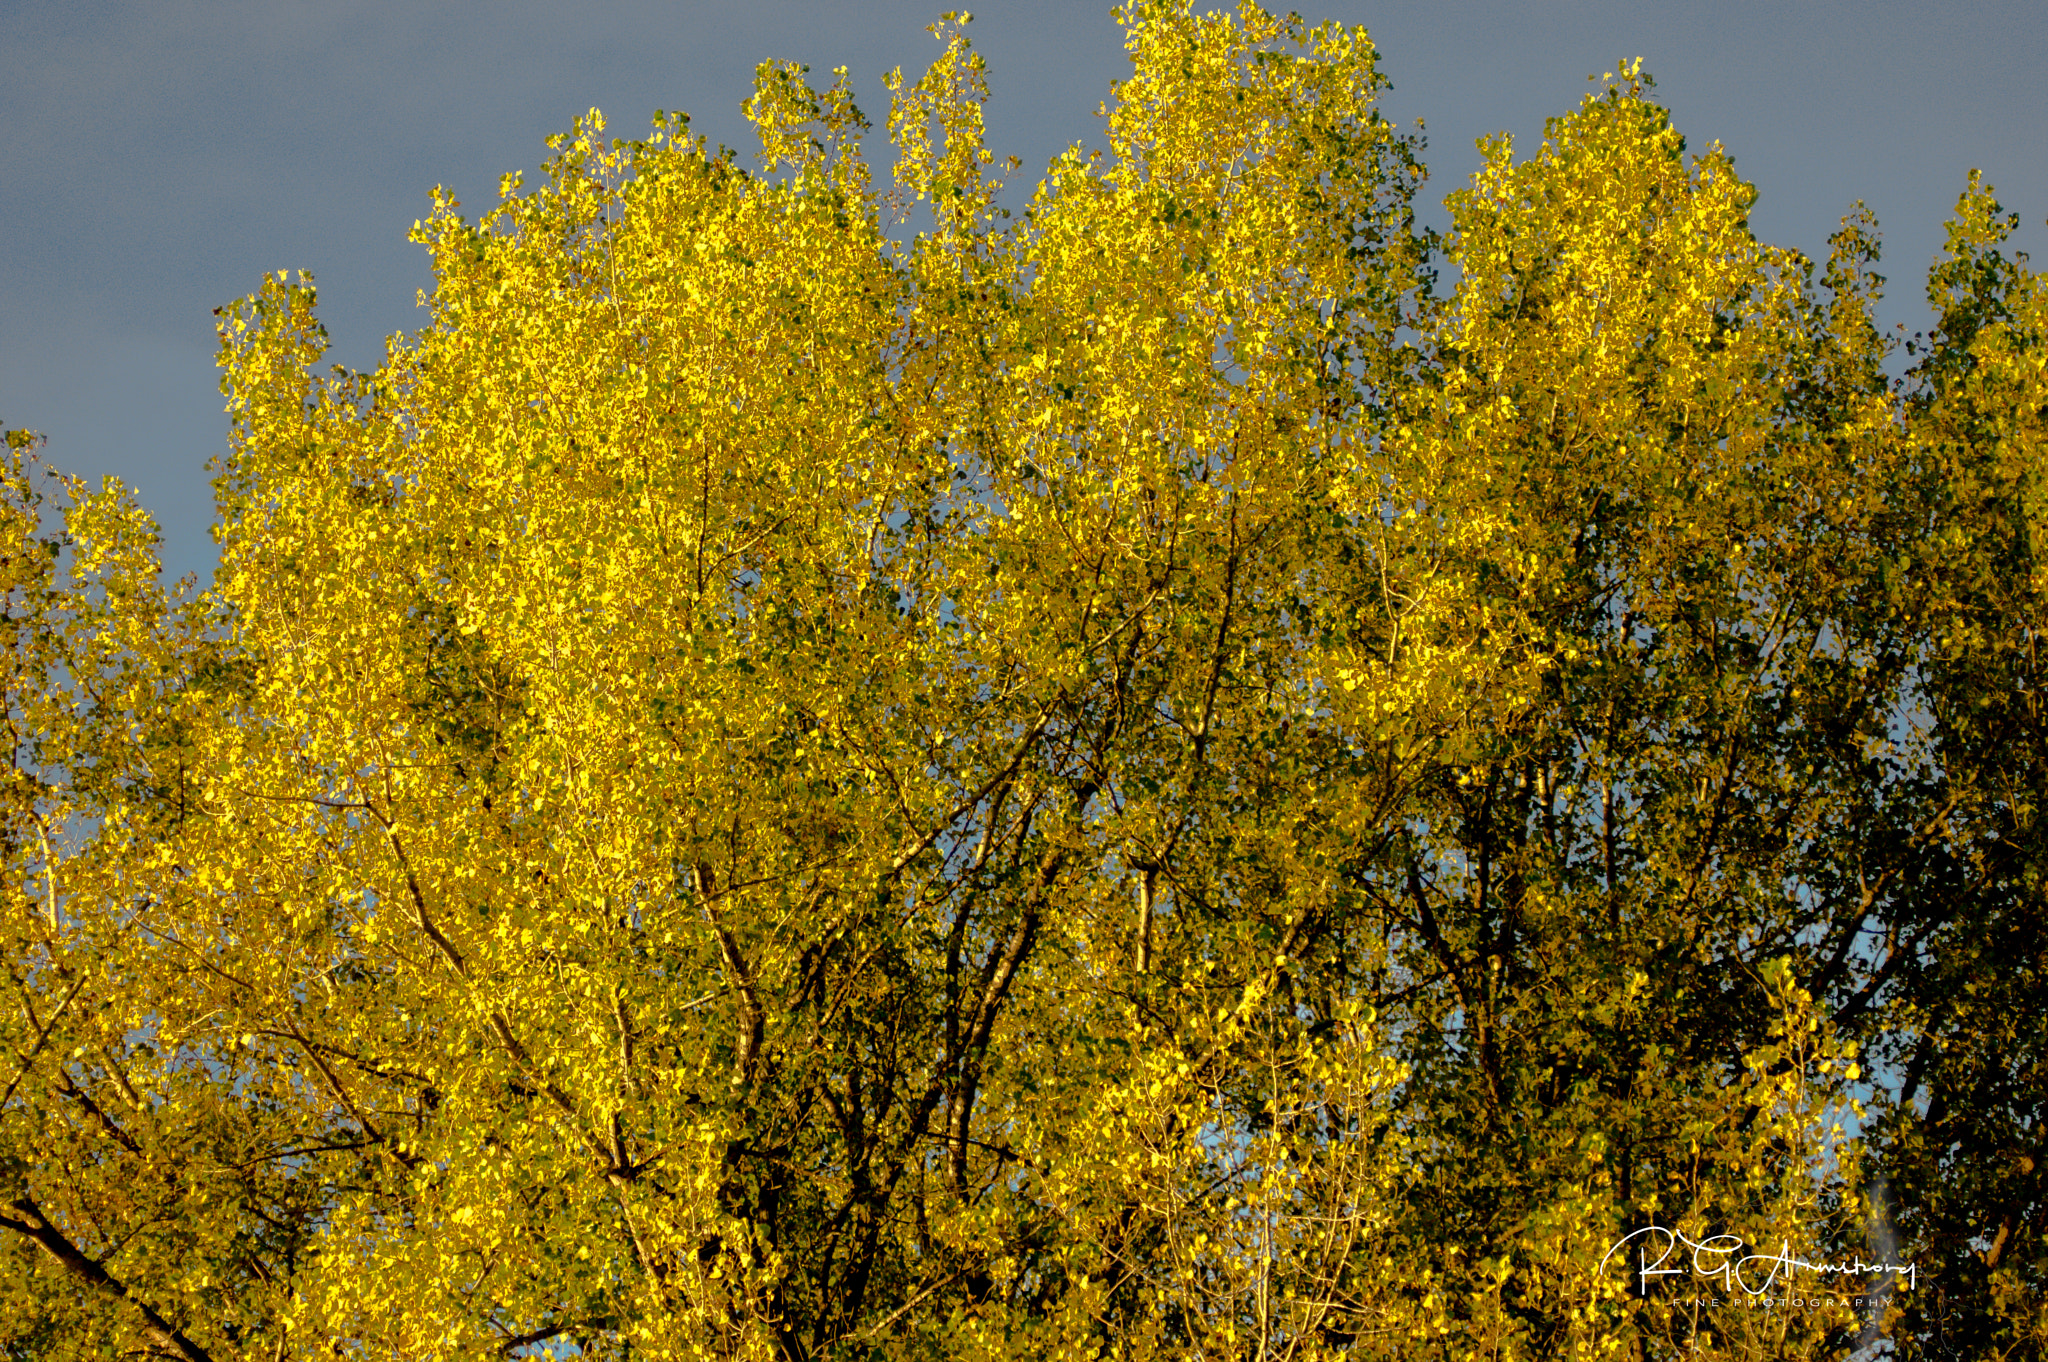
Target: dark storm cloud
<point x="157" y="158"/>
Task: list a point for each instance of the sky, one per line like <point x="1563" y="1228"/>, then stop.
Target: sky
<point x="159" y="158"/>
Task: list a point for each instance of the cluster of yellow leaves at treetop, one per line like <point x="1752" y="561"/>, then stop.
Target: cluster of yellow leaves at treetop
<point x="581" y="500"/>
<point x="649" y="466"/>
<point x="594" y="500"/>
<point x="1205" y="351"/>
<point x="1617" y="336"/>
<point x="1178" y="386"/>
<point x="1991" y="423"/>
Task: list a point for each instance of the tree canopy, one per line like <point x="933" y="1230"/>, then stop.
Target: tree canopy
<point x="1192" y="770"/>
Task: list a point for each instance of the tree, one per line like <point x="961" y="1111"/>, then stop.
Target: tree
<point x="1126" y="779"/>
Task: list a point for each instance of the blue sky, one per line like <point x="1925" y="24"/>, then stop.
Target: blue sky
<point x="158" y="158"/>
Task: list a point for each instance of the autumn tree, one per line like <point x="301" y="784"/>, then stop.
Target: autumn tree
<point x="1181" y="769"/>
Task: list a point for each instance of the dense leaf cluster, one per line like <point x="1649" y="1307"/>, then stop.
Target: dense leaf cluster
<point x="1194" y="772"/>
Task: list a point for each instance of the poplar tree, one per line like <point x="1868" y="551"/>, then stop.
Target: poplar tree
<point x="1179" y="769"/>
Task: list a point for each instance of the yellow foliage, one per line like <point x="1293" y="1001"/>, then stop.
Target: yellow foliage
<point x="1124" y="781"/>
